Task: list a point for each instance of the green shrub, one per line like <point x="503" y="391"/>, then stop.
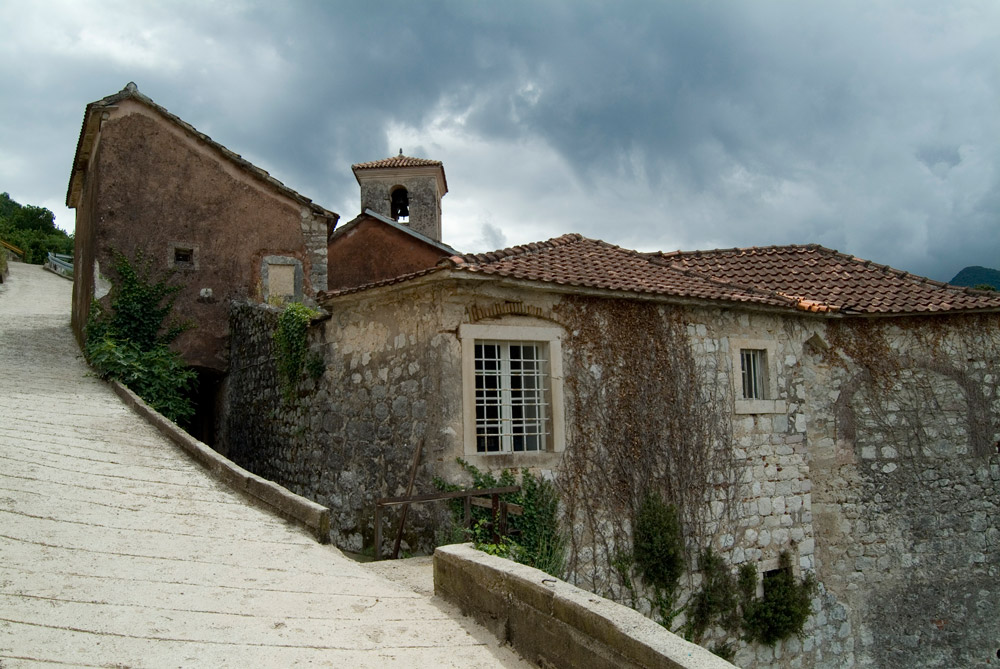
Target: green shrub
<point x="129" y="341"/>
<point x="658" y="544"/>
<point x="715" y="601"/>
<point x="783" y="609"/>
<point x="535" y="538"/>
<point x="159" y="376"/>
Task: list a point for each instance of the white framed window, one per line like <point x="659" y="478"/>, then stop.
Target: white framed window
<point x="753" y="370"/>
<point x="512" y="396"/>
<point x="754" y="376"/>
<point x="512" y="389"/>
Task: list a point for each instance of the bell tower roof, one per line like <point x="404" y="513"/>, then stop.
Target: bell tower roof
<point x="402" y="162"/>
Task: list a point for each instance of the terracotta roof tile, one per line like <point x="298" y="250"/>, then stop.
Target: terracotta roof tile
<point x="829" y="280"/>
<point x="799" y="278"/>
<point x="574" y="260"/>
<point x="396" y="161"/>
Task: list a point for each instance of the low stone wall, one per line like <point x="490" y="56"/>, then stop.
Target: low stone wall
<point x="312" y="516"/>
<point x="554" y="624"/>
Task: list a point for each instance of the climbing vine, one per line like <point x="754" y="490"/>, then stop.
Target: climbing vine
<point x="934" y="390"/>
<point x="650" y="422"/>
<point x="291" y="345"/>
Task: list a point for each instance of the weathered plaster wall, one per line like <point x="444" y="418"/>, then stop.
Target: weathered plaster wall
<point x="906" y="493"/>
<point x="150" y="186"/>
<point x="371" y="251"/>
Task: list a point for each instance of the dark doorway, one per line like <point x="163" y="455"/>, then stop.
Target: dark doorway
<point x="206" y="399"/>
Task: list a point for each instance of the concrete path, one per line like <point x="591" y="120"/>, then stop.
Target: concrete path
<point x="117" y="551"/>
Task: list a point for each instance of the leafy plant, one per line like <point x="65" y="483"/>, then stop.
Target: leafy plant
<point x="658" y="543"/>
<point x="535" y="537"/>
<point x="129" y="341"/>
<point x="291" y="346"/>
<point x="159" y="376"/>
<point x="716" y="599"/>
<point x="141" y="303"/>
<point x="783" y="609"/>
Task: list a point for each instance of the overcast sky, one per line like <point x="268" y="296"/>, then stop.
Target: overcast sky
<point x="868" y="127"/>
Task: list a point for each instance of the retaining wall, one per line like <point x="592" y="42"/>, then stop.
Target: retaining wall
<point x="555" y="624"/>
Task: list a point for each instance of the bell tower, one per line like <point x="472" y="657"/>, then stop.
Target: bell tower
<point x="407" y="190"/>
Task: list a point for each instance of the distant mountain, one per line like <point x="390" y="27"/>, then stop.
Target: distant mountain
<point x="973" y="276"/>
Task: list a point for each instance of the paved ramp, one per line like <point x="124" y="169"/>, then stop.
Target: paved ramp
<point x="117" y="551"/>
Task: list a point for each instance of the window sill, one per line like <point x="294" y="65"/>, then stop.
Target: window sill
<point x="760" y="406"/>
<point x="531" y="460"/>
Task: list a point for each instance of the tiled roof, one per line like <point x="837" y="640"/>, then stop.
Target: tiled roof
<point x="823" y="279"/>
<point x="396" y="161"/>
<point x="797" y="278"/>
<point x="574" y="260"/>
<point x="91" y="126"/>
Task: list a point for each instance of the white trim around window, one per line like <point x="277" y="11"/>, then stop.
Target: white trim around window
<point x="755" y="377"/>
<point x="518" y="408"/>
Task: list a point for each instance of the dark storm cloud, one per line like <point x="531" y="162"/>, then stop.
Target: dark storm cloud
<point x="869" y="128"/>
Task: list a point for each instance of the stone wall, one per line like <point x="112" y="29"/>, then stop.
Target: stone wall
<point x="876" y="469"/>
<point x="349" y="437"/>
<point x="906" y="491"/>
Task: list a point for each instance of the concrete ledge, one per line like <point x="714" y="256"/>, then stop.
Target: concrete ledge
<point x="555" y="624"/>
<point x="314" y="517"/>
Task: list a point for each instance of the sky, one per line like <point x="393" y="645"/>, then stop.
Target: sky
<point x="869" y="127"/>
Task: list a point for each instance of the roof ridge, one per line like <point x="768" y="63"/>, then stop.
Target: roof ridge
<point x="131" y="91"/>
<point x="739" y="249"/>
<point x="400" y="158"/>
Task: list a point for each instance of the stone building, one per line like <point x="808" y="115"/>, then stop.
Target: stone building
<point x="790" y="399"/>
<point x="854" y="407"/>
<point x="145" y="180"/>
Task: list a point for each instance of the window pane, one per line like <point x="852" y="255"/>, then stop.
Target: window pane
<point x="511" y="414"/>
<point x="753" y="363"/>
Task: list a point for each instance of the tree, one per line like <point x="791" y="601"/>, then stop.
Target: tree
<point x="32" y="229"/>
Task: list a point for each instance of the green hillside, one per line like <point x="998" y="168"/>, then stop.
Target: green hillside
<point x="975" y="276"/>
<point x="32" y="229"/>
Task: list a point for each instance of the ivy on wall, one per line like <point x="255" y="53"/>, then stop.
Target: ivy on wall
<point x="291" y="347"/>
<point x="899" y="394"/>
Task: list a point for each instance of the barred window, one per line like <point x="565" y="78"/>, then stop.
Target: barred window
<point x="754" y="367"/>
<point x="512" y="396"/>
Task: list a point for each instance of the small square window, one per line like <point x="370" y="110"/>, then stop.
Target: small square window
<point x="755" y="377"/>
<point x="182" y="255"/>
<point x="753" y="365"/>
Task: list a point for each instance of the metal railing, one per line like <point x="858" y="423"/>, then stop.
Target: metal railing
<point x="60" y="264"/>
